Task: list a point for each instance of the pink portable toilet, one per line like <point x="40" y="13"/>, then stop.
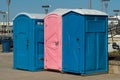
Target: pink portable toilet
<point x="53" y="40"/>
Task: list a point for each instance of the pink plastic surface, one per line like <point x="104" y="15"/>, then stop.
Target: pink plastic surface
<point x="53" y="42"/>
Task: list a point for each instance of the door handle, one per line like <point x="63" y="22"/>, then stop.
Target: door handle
<point x="41" y="58"/>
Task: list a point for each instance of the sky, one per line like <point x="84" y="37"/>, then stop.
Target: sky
<point x="34" y="6"/>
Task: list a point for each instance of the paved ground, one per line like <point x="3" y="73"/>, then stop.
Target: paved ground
<point x="8" y="73"/>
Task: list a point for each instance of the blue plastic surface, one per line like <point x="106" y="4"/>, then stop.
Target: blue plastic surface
<point x="28" y="43"/>
<point x="5" y="45"/>
<point x="84" y="43"/>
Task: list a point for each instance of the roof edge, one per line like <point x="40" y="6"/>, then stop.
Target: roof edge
<point x="22" y="13"/>
<point x="31" y="15"/>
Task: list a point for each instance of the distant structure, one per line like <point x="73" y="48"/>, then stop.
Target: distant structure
<point x="104" y="4"/>
<point x="114" y="25"/>
<point x="4" y="28"/>
<point x="45" y="7"/>
<point x="112" y="20"/>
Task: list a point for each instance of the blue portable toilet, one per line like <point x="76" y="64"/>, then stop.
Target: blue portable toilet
<point x="79" y="41"/>
<point x="28" y="32"/>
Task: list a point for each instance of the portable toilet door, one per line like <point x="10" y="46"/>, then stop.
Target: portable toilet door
<point x="28" y="41"/>
<point x="39" y="42"/>
<point x="96" y="44"/>
<point x="53" y="43"/>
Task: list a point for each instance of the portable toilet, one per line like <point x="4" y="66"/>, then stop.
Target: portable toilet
<point x="28" y="32"/>
<point x="75" y="40"/>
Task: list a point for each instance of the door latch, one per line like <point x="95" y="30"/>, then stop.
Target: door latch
<point x="57" y="43"/>
<point x="77" y="39"/>
<point x="27" y="41"/>
<point x="41" y="58"/>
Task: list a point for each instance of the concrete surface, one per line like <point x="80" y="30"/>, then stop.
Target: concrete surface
<point x="8" y="73"/>
<point x="114" y="69"/>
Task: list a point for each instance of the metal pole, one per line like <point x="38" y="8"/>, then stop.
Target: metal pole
<point x="106" y="7"/>
<point x="8" y="14"/>
<point x="8" y="18"/>
<point x="3" y="23"/>
<point x="89" y="4"/>
<point x="46" y="11"/>
<point x="3" y="19"/>
<point x="101" y="5"/>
